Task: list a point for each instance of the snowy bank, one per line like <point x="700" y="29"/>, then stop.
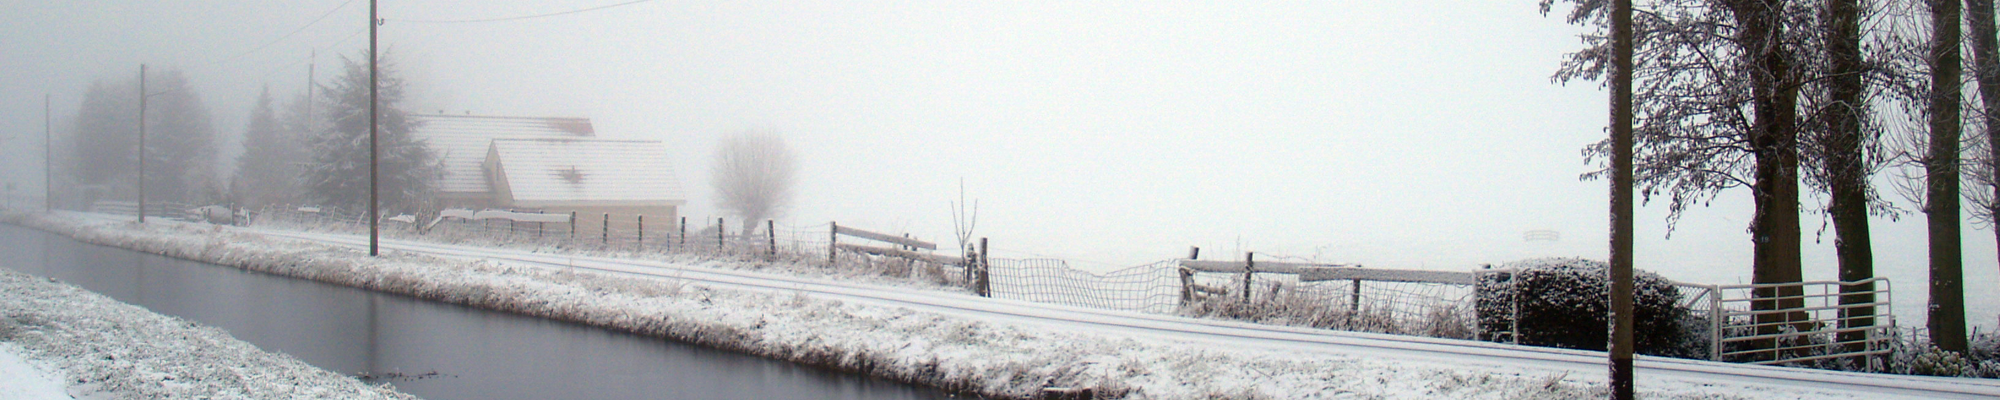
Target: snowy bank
<point x="21" y="379"/>
<point x="996" y="359"/>
<point x="104" y="348"/>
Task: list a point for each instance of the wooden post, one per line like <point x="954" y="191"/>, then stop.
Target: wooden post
<point x="832" y="242"/>
<point x="572" y="225"/>
<point x="1249" y="267"/>
<point x="642" y="231"/>
<point x="1354" y="303"/>
<point x="771" y="233"/>
<point x="1187" y="277"/>
<point x="1621" y="197"/>
<point x="984" y="284"/>
<point x="684" y="231"/>
<point x="720" y="243"/>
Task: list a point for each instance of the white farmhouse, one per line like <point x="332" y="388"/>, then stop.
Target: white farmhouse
<point x="552" y="165"/>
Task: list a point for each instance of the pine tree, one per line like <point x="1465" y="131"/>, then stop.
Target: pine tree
<point x="106" y="135"/>
<point x="264" y="174"/>
<point x="338" y="175"/>
<point x="180" y="143"/>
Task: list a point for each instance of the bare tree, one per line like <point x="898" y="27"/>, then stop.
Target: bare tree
<point x="1840" y="141"/>
<point x="962" y="222"/>
<point x="1925" y="71"/>
<point x="1985" y="38"/>
<point x="753" y="176"/>
<point x="1717" y="105"/>
<point x="1947" y="311"/>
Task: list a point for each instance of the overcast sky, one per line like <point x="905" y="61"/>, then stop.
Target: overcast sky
<point x="1415" y="134"/>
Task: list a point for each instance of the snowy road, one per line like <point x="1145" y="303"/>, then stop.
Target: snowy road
<point x="1652" y="371"/>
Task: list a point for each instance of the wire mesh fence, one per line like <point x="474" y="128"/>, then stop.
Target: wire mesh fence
<point x="1400" y="306"/>
<point x="1153" y="287"/>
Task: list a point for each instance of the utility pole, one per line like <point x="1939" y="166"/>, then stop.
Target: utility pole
<point x="1621" y="200"/>
<point x="48" y="157"/>
<point x="142" y="143"/>
<point x="309" y="90"/>
<point x="374" y="173"/>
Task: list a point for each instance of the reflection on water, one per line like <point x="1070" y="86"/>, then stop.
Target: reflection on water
<point x="432" y="350"/>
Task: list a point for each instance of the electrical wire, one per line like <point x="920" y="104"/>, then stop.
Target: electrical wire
<point x="302" y="60"/>
<point x="315" y="21"/>
<point x="558" y="13"/>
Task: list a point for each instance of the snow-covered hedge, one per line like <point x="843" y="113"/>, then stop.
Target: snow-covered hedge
<point x="1563" y="302"/>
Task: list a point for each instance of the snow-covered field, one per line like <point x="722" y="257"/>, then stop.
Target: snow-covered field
<point x="1013" y="357"/>
<point x="97" y="347"/>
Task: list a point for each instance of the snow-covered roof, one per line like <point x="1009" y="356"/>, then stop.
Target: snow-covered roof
<point x="544" y="172"/>
<point x="461" y="142"/>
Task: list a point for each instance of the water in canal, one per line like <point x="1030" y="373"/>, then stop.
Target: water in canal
<point x="475" y="354"/>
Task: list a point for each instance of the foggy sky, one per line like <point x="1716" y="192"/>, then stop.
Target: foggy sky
<point x="1421" y="134"/>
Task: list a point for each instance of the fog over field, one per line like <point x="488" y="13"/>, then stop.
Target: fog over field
<point x="1421" y="134"/>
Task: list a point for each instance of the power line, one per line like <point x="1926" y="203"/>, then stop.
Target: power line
<point x="459" y="21"/>
<point x="315" y="21"/>
<point x="302" y="60"/>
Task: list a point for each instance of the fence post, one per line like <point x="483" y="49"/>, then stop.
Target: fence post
<point x="1354" y="301"/>
<point x="1187" y="277"/>
<point x="1715" y="323"/>
<point x="720" y="243"/>
<point x="684" y="231"/>
<point x="1249" y="267"/>
<point x="984" y="285"/>
<point x="771" y="233"/>
<point x="606" y="239"/>
<point x="572" y="226"/>
<point x="642" y="231"/>
<point x="832" y="240"/>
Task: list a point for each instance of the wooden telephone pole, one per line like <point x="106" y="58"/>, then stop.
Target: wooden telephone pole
<point x="142" y="143"/>
<point x="374" y="172"/>
<point x="1621" y="200"/>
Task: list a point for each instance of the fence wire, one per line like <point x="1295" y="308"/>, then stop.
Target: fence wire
<point x="1149" y="288"/>
<point x="1430" y="309"/>
<point x="807" y="246"/>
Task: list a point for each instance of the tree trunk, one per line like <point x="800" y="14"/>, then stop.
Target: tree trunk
<point x="1947" y="311"/>
<point x="1986" y="64"/>
<point x="1845" y="162"/>
<point x="1774" y="230"/>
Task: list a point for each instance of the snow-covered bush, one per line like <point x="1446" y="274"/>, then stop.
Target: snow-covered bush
<point x="1922" y="358"/>
<point x="1563" y="302"/>
<point x="1985" y="355"/>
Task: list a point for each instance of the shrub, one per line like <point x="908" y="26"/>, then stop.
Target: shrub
<point x="1563" y="302"/>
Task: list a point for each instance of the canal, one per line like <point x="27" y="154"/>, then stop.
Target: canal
<point x="428" y="349"/>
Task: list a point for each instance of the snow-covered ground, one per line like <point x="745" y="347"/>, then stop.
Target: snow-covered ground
<point x="102" y="348"/>
<point x="986" y="346"/>
<point x="21" y="379"/>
